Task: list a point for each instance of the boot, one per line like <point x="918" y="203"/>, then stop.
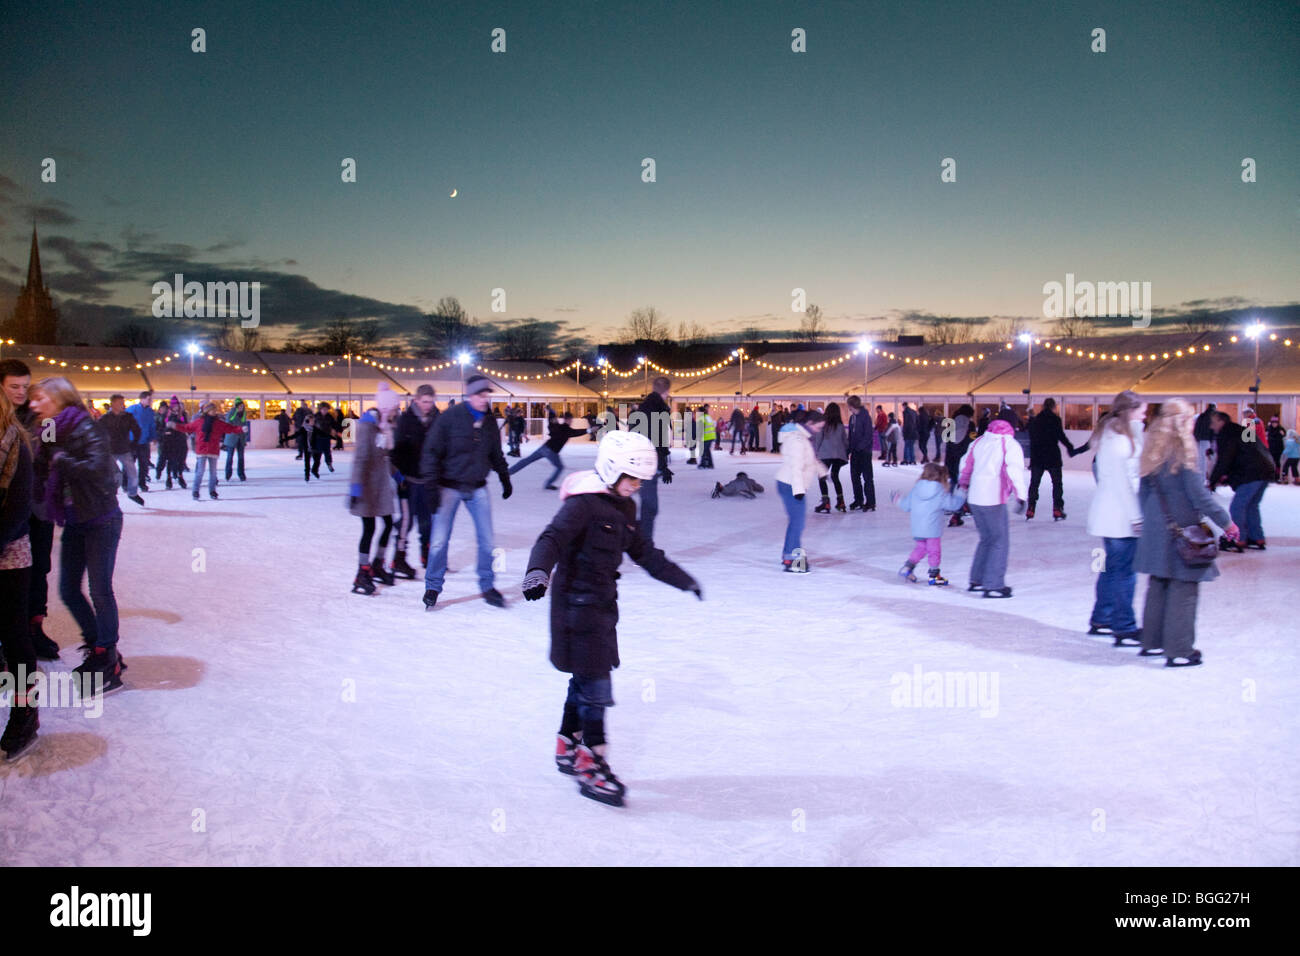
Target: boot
<point x="45" y="648"/>
<point x="1058" y="514"/>
<point x="1227" y="544"/>
<point x="380" y="573"/>
<point x="101" y="664"/>
<point x="825" y="507"/>
<point x="937" y="579"/>
<point x="1029" y="513"/>
<point x="364" y="583"/>
<point x="1191" y="660"/>
<point x="430" y="598"/>
<point x="717" y="490"/>
<point x="955" y="521"/>
<point x="855" y="506"/>
<point x="839" y="504"/>
<point x="400" y="566"/>
<point x="181" y="479"/>
<point x="595" y="779"/>
<point x="905" y="572"/>
<point x="1259" y="545"/>
<point x="20" y="731"/>
<point x="566" y="752"/>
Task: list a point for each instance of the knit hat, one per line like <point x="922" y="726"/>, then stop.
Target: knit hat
<point x="385" y="398"/>
<point x="425" y="389"/>
<point x="477" y="383"/>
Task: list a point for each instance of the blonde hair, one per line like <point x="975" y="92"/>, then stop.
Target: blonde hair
<point x="934" y="471"/>
<point x="7" y="416"/>
<point x="1169" y="439"/>
<point x="1116" y="419"/>
<point x="60" y="391"/>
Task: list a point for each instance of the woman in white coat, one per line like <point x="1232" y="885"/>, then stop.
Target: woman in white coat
<point x="799" y="471"/>
<point x="1115" y="516"/>
<point x="993" y="469"/>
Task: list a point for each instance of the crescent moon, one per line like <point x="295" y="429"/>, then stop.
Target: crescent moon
<point x="453" y="193"/>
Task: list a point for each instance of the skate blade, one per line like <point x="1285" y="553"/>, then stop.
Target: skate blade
<point x="567" y="771"/>
<point x="13" y="756"/>
<point x="608" y="799"/>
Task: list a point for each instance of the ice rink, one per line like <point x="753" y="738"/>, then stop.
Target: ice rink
<point x="271" y="717"/>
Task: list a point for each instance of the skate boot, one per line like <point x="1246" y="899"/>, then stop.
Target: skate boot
<point x="800" y="568"/>
<point x="399" y="566"/>
<point x="1058" y="514"/>
<point x="1259" y="545"/>
<point x="430" y="598"/>
<point x="566" y="752"/>
<point x="20" y="731"/>
<point x="595" y="779"/>
<point x="380" y="573"/>
<point x="905" y="572"/>
<point x="1227" y="544"/>
<point x="169" y="483"/>
<point x="212" y="495"/>
<point x="364" y="583"/>
<point x="955" y="521"/>
<point x="717" y="490"/>
<point x="45" y="648"/>
<point x="1029" y="513"/>
<point x="825" y="507"/>
<point x="839" y="504"/>
<point x="937" y="579"/>
<point x="856" y="506"/>
<point x="100" y="673"/>
<point x="181" y="479"/>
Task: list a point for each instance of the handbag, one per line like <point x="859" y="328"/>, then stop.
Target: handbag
<point x="1195" y="544"/>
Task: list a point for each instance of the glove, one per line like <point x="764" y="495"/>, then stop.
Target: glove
<point x="667" y="476"/>
<point x="1232" y="532"/>
<point x="798" y="497"/>
<point x="506" y="489"/>
<point x="696" y="589"/>
<point x="352" y="502"/>
<point x="1020" y="506"/>
<point x="535" y="582"/>
<point x="893" y="497"/>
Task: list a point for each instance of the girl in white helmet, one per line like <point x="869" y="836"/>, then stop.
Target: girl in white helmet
<point x="584" y="545"/>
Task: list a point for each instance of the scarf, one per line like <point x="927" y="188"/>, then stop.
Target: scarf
<point x="207" y="426"/>
<point x="9" y="452"/>
<point x="54" y="491"/>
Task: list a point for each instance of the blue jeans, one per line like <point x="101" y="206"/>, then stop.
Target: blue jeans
<point x="909" y="451"/>
<point x="126" y="461"/>
<point x="796" y="512"/>
<point x="587" y="699"/>
<point x="211" y="462"/>
<point x="1245" y="509"/>
<point x="413" y="499"/>
<point x="480" y="509"/>
<point x="1115" y="586"/>
<point x="91" y="549"/>
<point x="649" y="507"/>
<point x="549" y="454"/>
<point x="236" y="450"/>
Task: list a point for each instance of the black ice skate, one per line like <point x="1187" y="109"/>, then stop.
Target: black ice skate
<point x="1029" y="513"/>
<point x="1002" y="592"/>
<point x="364" y="583"/>
<point x="1191" y="660"/>
<point x="100" y="673"/>
<point x="430" y="598"/>
<point x="380" y="573"/>
<point x="181" y="479"/>
<point x="493" y="597"/>
<point x="45" y="648"/>
<point x="595" y="779"/>
<point x="566" y="752"/>
<point x="20" y="731"/>
<point x="399" y="566"/>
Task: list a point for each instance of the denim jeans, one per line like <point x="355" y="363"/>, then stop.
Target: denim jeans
<point x="142" y="463"/>
<point x="91" y="549"/>
<point x="231" y="453"/>
<point x="211" y="462"/>
<point x="549" y="454"/>
<point x="1245" y="508"/>
<point x="480" y="509"/>
<point x="796" y="512"/>
<point x="413" y="498"/>
<point x="909" y="451"/>
<point x="585" y="706"/>
<point x="126" y="461"/>
<point x="649" y="508"/>
<point x="1115" y="587"/>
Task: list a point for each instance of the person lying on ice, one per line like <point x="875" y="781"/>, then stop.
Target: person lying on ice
<point x="584" y="544"/>
<point x="741" y="486"/>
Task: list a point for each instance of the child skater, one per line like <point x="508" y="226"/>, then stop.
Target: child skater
<point x="927" y="501"/>
<point x="584" y="544"/>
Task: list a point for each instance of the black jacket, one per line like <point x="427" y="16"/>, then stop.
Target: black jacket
<point x="560" y="434"/>
<point x="656" y="426"/>
<point x="1240" y="461"/>
<point x="458" y="454"/>
<point x="81" y="457"/>
<point x="123" y="432"/>
<point x="1046" y="436"/>
<point x="585" y="543"/>
<point x="923" y="423"/>
<point x="1201" y="430"/>
<point x="862" y="429"/>
<point x="909" y="424"/>
<point x="16" y="500"/>
<point x="1276" y="439"/>
<point x="408" y="441"/>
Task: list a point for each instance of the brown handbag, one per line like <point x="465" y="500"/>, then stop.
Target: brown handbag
<point x="1195" y="544"/>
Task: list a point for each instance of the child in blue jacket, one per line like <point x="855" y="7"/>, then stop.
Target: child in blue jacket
<point x="927" y="502"/>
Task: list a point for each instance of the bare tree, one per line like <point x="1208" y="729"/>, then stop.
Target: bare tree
<point x="1008" y="329"/>
<point x="812" y="327"/>
<point x="527" y="341"/>
<point x="249" y="339"/>
<point x="449" y="328"/>
<point x="1073" y="327"/>
<point x="646" y="324"/>
<point x="943" y="330"/>
<point x="692" y="334"/>
<point x="135" y="335"/>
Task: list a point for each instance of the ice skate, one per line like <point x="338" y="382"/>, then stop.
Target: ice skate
<point x="380" y="573"/>
<point x="45" y="648"/>
<point x="937" y="579"/>
<point x="825" y="507"/>
<point x="566" y="752"/>
<point x="1002" y="592"/>
<point x="839" y="504"/>
<point x="363" y="583"/>
<point x="1191" y="660"/>
<point x="1058" y="514"/>
<point x="100" y="673"/>
<point x="1128" y="640"/>
<point x="717" y="490"/>
<point x="595" y="779"/>
<point x="493" y="597"/>
<point x="20" y="731"/>
<point x="181" y="479"/>
<point x="430" y="598"/>
<point x="400" y="566"/>
<point x="1029" y="513"/>
<point x="905" y="572"/>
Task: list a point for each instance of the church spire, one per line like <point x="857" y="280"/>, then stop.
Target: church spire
<point x="34" y="320"/>
<point x="34" y="280"/>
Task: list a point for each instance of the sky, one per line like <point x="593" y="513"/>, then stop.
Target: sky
<point x="775" y="170"/>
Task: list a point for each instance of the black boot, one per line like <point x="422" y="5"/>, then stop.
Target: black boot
<point x="430" y="598"/>
<point x="101" y="664"/>
<point x="825" y="507"/>
<point x="839" y="504"/>
<point x="45" y="648"/>
<point x="380" y="573"/>
<point x="363" y="583"/>
<point x="20" y="731"/>
<point x="400" y="566"/>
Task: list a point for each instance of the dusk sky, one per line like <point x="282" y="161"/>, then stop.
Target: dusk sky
<point x="775" y="169"/>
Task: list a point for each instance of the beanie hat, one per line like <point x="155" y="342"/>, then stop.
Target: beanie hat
<point x="385" y="398"/>
<point x="425" y="389"/>
<point x="477" y="383"/>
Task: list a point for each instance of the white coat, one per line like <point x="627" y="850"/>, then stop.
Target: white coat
<point x="1115" y="504"/>
<point x="986" y="456"/>
<point x="800" y="468"/>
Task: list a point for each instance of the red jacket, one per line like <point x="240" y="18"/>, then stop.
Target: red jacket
<point x="882" y="422"/>
<point x="212" y="446"/>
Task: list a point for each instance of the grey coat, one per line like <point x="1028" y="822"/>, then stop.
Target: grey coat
<point x="1189" y="501"/>
<point x="832" y="444"/>
<point x="372" y="475"/>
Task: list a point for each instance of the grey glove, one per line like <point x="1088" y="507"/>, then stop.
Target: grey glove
<point x="535" y="582"/>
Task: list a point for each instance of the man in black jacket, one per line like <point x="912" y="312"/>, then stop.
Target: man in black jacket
<point x="923" y="426"/>
<point x="413" y="493"/>
<point x="1046" y="435"/>
<point x="462" y="446"/>
<point x="1204" y="435"/>
<point x="861" y="433"/>
<point x="123" y="435"/>
<point x="911" y="432"/>
<point x="561" y="430"/>
<point x="655" y="422"/>
<point x="1247" y="468"/>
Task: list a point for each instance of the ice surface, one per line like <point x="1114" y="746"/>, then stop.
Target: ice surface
<point x="757" y="727"/>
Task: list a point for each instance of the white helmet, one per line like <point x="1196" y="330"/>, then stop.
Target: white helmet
<point x="625" y="453"/>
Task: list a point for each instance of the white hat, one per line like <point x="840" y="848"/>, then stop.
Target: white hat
<point x="385" y="398"/>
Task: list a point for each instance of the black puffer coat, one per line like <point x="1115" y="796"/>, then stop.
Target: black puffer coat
<point x="81" y="459"/>
<point x="1240" y="462"/>
<point x="585" y="543"/>
<point x="458" y="453"/>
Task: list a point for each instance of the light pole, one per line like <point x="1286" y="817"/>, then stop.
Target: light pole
<point x="740" y="354"/>
<point x="463" y="359"/>
<point x="193" y="350"/>
<point x="1028" y="339"/>
<point x="865" y="348"/>
<point x="645" y="369"/>
<point x="349" y="381"/>
<point x="1256" y="332"/>
<point x="604" y="364"/>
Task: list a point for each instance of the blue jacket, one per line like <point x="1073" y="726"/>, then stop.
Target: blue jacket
<point x="240" y="419"/>
<point x="143" y="415"/>
<point x="927" y="501"/>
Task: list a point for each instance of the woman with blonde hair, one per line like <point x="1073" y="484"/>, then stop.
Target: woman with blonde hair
<point x="1115" y="517"/>
<point x="81" y="496"/>
<point x="19" y="654"/>
<point x="1173" y="496"/>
